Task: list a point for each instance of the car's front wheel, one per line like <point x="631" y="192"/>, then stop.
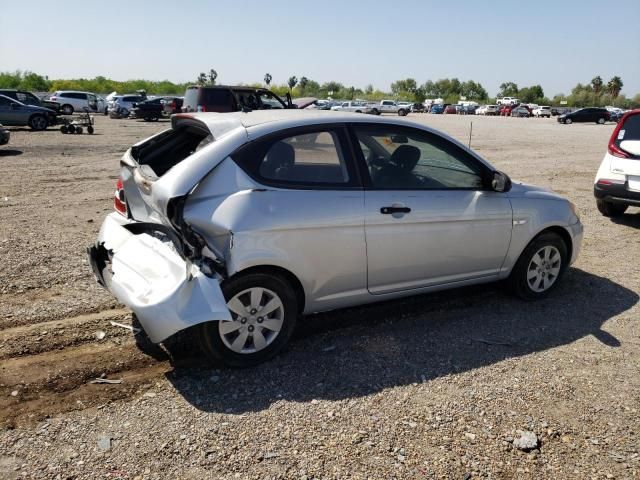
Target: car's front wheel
<point x="568" y="121"/>
<point x="601" y="121"/>
<point x="540" y="267"/>
<point x="264" y="309"/>
<point x="609" y="209"/>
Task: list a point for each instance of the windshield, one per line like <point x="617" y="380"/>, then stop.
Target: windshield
<point x="270" y="101"/>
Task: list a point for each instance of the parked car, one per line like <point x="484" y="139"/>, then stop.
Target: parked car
<point x="151" y="109"/>
<point x="542" y="111"/>
<point x="172" y="105"/>
<point x="5" y="135"/>
<point x="121" y="105"/>
<point x="487" y="110"/>
<point x="29" y="98"/>
<point x="356" y="107"/>
<point x="520" y="111"/>
<point x="15" y="114"/>
<point x="437" y="108"/>
<point x="72" y="101"/>
<point x="417" y="107"/>
<point x="451" y="109"/>
<point x="227" y="223"/>
<point x="597" y="115"/>
<point x="617" y="183"/>
<point x="224" y="98"/>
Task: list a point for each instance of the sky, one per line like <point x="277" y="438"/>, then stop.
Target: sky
<point x="552" y="43"/>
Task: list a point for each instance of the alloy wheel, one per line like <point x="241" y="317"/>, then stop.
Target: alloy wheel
<point x="544" y="268"/>
<point x="258" y="316"/>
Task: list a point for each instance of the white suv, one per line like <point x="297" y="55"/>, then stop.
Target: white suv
<point x="507" y="101"/>
<point x="542" y="112"/>
<point x="617" y="184"/>
<point x="72" y="101"/>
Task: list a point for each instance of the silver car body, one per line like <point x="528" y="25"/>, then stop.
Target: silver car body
<point x="333" y="244"/>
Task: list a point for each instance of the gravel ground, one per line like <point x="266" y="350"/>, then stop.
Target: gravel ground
<point x="461" y="384"/>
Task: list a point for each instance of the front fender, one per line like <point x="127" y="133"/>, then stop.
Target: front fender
<point x="531" y="217"/>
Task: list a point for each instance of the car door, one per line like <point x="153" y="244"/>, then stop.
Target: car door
<point x="12" y="113"/>
<point x="430" y="218"/>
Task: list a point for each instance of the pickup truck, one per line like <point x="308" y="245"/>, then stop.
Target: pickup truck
<point x="389" y="106"/>
<point x="357" y="107"/>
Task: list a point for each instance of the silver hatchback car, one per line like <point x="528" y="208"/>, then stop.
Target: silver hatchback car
<point x="236" y="224"/>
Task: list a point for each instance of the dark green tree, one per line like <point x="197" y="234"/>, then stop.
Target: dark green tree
<point x="293" y="80"/>
<point x="508" y="89"/>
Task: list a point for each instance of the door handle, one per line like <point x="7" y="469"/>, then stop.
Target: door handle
<point x="391" y="210"/>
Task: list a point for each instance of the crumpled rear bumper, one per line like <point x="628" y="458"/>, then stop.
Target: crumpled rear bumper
<point x="148" y="275"/>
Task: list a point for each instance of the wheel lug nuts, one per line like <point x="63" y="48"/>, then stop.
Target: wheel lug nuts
<point x="243" y="320"/>
<point x="259" y="319"/>
<point x="250" y="328"/>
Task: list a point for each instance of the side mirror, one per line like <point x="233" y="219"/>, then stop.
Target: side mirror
<point x="500" y="182"/>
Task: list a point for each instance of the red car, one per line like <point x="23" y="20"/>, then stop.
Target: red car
<point x="450" y="109"/>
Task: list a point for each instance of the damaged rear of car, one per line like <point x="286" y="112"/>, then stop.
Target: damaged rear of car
<point x="146" y="255"/>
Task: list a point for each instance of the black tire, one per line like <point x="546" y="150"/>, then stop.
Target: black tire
<point x="71" y="129"/>
<point x="568" y="121"/>
<point x="38" y="122"/>
<point x="78" y="130"/>
<point x="518" y="280"/>
<point x="66" y="109"/>
<point x="601" y="121"/>
<point x="208" y="334"/>
<point x="358" y="111"/>
<point x="375" y="111"/>
<point x="609" y="209"/>
<point x="64" y="130"/>
<point x="90" y="130"/>
<point x="402" y="112"/>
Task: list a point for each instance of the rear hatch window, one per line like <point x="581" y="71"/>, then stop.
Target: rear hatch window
<point x="159" y="154"/>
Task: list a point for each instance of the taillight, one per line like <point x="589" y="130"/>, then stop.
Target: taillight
<point x="119" y="202"/>
<point x="201" y="108"/>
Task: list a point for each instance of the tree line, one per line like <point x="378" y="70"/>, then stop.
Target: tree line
<point x="451" y="90"/>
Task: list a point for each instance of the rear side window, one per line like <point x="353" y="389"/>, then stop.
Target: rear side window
<point x="309" y="159"/>
<point x="216" y="100"/>
<point x="630" y="130"/>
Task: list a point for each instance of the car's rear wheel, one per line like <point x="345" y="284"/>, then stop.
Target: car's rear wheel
<point x="375" y="111"/>
<point x="67" y="109"/>
<point x="264" y="309"/>
<point x="600" y="121"/>
<point x="402" y="112"/>
<point x="609" y="209"/>
<point x="540" y="267"/>
<point x="38" y="122"/>
<point x="568" y="121"/>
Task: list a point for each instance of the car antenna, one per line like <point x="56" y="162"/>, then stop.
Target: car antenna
<point x="470" y="132"/>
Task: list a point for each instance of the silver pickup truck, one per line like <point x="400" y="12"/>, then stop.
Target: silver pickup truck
<point x="389" y="106"/>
